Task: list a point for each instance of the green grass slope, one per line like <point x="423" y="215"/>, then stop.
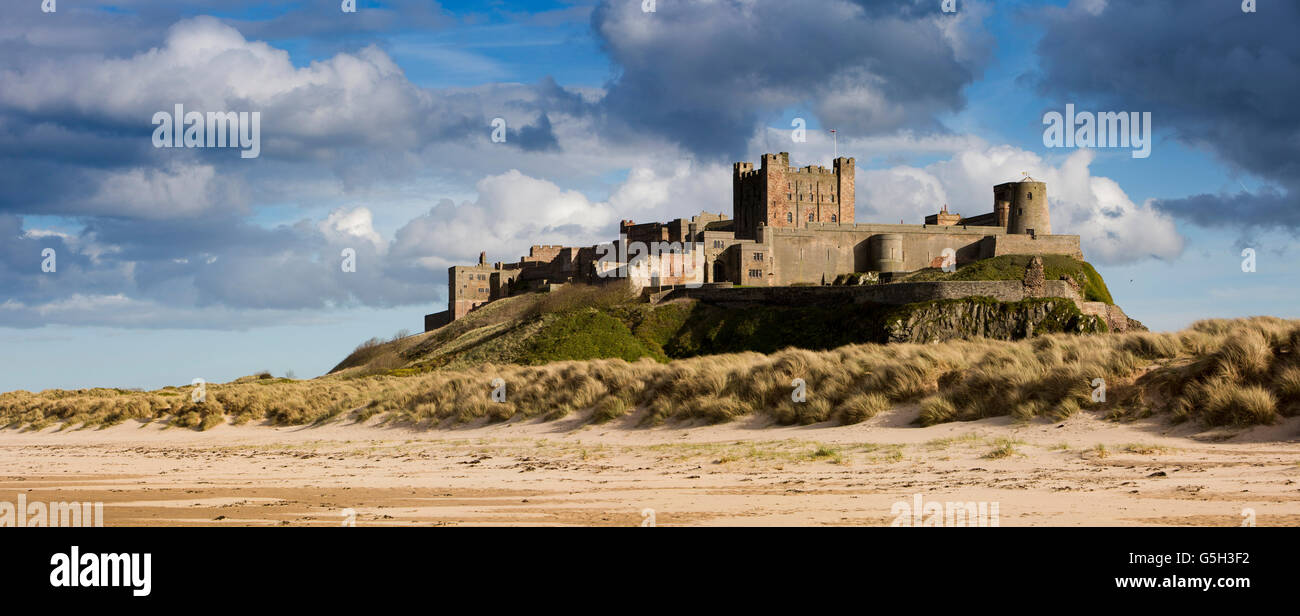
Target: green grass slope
<point x="1012" y="267"/>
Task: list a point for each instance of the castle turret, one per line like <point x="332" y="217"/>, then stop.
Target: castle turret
<point x="887" y="253"/>
<point x="1026" y="205"/>
<point x="844" y="178"/>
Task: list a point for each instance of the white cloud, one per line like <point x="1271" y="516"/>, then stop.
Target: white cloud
<point x="512" y="212"/>
<point x="177" y="191"/>
<point x="1111" y="227"/>
<point x="342" y="224"/>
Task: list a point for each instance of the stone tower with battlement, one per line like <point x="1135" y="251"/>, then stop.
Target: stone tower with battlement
<point x="1022" y="207"/>
<point x="778" y="195"/>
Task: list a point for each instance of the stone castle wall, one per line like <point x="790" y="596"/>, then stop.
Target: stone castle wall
<point x="821" y="252"/>
<point x="892" y="294"/>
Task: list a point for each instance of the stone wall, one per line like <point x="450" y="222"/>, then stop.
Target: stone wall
<point x="1013" y="244"/>
<point x="821" y="252"/>
<point x="436" y="320"/>
<point x="893" y="294"/>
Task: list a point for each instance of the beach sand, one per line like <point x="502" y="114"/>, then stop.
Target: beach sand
<point x="1081" y="471"/>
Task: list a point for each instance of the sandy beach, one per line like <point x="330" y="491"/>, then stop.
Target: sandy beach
<point x="1082" y="471"/>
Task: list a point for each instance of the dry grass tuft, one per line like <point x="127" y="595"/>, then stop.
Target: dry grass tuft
<point x="1219" y="372"/>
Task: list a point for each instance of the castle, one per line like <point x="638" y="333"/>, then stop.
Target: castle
<point x="789" y="226"/>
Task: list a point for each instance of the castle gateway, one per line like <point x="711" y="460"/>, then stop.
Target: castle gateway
<point x="789" y="226"/>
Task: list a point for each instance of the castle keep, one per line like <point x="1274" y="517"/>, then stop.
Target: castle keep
<point x="789" y="226"/>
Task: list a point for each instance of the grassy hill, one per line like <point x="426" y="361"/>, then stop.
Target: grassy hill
<point x="1012" y="267"/>
<point x="582" y="323"/>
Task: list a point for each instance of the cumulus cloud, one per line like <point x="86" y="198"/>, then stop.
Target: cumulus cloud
<point x="1112" y="228"/>
<point x="704" y="73"/>
<point x="77" y="127"/>
<point x="511" y="213"/>
<point x="1212" y="76"/>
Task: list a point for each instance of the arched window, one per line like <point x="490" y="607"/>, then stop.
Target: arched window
<point x="789" y="217"/>
<point x="833" y="218"/>
<point x="810" y="216"/>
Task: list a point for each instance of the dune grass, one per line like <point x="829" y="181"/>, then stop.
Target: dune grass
<point x="1220" y="373"/>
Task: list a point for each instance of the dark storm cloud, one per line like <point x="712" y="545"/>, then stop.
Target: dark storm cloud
<point x="538" y="137"/>
<point x="1211" y="75"/>
<point x="705" y="73"/>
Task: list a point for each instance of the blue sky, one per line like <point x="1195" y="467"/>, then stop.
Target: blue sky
<point x="182" y="263"/>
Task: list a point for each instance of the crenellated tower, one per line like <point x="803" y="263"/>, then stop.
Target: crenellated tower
<point x="778" y="195"/>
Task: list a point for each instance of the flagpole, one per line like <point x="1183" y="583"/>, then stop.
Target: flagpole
<point x="836" y="140"/>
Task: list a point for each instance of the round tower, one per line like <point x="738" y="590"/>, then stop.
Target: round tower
<point x="1026" y="204"/>
<point x="888" y="253"/>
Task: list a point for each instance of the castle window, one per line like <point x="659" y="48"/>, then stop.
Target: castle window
<point x="755" y="273"/>
<point x="810" y="216"/>
<point x="789" y="195"/>
<point x="717" y="243"/>
<point x="1031" y="197"/>
<point x="789" y="217"/>
<point x="758" y="256"/>
<point x="832" y="198"/>
<point x="834" y="218"/>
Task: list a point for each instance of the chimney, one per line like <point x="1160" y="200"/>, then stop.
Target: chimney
<point x="482" y="258"/>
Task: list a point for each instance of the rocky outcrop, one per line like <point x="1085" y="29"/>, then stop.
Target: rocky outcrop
<point x="1035" y="280"/>
<point x="1114" y="317"/>
<point x="982" y="317"/>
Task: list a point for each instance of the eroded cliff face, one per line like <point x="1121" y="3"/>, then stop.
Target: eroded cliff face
<point x="977" y="317"/>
